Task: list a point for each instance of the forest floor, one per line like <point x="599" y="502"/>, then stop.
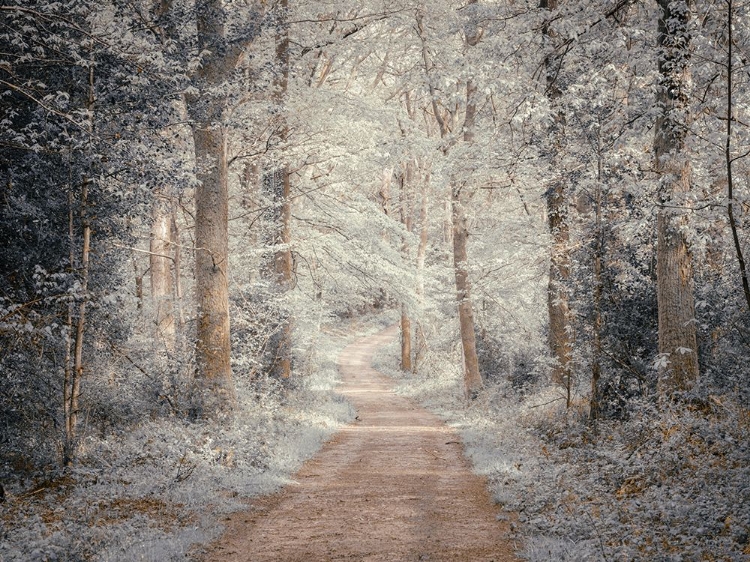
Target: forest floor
<point x="393" y="485"/>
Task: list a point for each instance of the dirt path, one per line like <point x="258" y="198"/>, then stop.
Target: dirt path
<point x="393" y="486"/>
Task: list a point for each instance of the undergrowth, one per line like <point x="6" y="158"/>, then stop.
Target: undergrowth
<point x="158" y="490"/>
<point x="671" y="483"/>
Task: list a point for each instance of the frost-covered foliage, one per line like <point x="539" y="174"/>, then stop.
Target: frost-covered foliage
<point x="156" y="489"/>
<point x="668" y="484"/>
<point x="368" y="109"/>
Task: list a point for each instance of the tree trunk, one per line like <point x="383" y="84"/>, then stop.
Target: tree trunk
<point x="160" y="262"/>
<point x="596" y="352"/>
<point x="279" y="272"/>
<point x="213" y="345"/>
<point x="472" y="378"/>
<point x="406" y="364"/>
<point x="407" y="179"/>
<point x="421" y="343"/>
<point x="558" y="308"/>
<point x="678" y="347"/>
<point x="215" y="388"/>
<point x="458" y="230"/>
<point x="75" y="392"/>
<point x="68" y="445"/>
<point x="278" y="188"/>
<point x="178" y="293"/>
<point x="74" y="362"/>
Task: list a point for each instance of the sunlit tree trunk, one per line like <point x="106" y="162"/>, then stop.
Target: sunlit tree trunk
<point x="421" y="343"/>
<point x="678" y="346"/>
<point x="161" y="262"/>
<point x="472" y="376"/>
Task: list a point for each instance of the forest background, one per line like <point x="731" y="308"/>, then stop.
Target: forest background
<point x="202" y="200"/>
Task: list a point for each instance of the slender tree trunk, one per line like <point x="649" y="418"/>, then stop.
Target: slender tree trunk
<point x="68" y="445"/>
<point x="558" y="307"/>
<point x="160" y="261"/>
<point x="458" y="231"/>
<point x="74" y="361"/>
<point x="421" y="343"/>
<point x="75" y="391"/>
<point x="678" y="346"/>
<point x="279" y="272"/>
<point x="730" y="160"/>
<point x="407" y="178"/>
<point x="596" y="360"/>
<point x="406" y="364"/>
<point x="472" y="377"/>
<point x="178" y="293"/>
<point x="278" y="188"/>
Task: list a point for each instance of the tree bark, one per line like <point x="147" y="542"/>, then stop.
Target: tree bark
<point x="160" y="266"/>
<point x="406" y="364"/>
<point x="213" y="345"/>
<point x="279" y="272"/>
<point x="472" y="377"/>
<point x="421" y="343"/>
<point x="407" y="178"/>
<point x="215" y="387"/>
<point x="596" y="352"/>
<point x="558" y="307"/>
<point x="278" y="188"/>
<point x="458" y="231"/>
<point x="74" y="362"/>
<point x="678" y="348"/>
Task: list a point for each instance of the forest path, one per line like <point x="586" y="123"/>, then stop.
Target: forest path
<point x="392" y="486"/>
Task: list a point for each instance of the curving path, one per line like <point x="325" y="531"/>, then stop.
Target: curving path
<point x="392" y="486"/>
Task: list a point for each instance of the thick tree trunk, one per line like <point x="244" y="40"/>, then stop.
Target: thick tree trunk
<point x="215" y="388"/>
<point x="678" y="346"/>
<point x="213" y="346"/>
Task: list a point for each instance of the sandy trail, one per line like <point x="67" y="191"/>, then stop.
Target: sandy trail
<point x="392" y="486"/>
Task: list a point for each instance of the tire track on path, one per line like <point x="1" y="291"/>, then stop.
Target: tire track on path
<point x="392" y="486"/>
